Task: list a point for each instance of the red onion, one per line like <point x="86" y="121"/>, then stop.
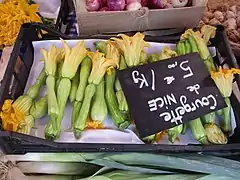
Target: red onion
<point x="92" y="5"/>
<point x="130" y="1"/>
<point x="103" y="3"/>
<point x="116" y="5"/>
<point x="104" y="9"/>
<point x="134" y="6"/>
<point x="158" y="4"/>
<point x="144" y="3"/>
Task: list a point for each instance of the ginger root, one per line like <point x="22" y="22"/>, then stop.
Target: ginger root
<point x="234" y="9"/>
<point x="230" y="15"/>
<point x="219" y="16"/>
<point x="214" y="22"/>
<point x="230" y="24"/>
<point x="238" y="21"/>
<point x="233" y="35"/>
<point x="223" y="8"/>
<point x="208" y="15"/>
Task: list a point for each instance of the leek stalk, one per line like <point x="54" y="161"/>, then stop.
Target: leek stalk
<point x="136" y="162"/>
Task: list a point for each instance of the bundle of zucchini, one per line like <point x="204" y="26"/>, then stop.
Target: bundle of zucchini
<point x="88" y="79"/>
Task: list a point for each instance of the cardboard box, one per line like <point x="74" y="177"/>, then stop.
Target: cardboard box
<point x="141" y="20"/>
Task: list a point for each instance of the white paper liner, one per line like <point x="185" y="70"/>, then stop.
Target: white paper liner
<point x="112" y="135"/>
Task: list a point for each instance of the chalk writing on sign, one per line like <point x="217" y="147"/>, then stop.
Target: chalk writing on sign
<point x="186" y="68"/>
<point x="194" y="88"/>
<point x="139" y="78"/>
<point x="177" y="114"/>
<point x="170" y="66"/>
<point x="169" y="79"/>
<point x="167" y="93"/>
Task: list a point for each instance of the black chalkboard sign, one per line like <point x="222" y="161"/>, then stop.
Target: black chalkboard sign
<point x="169" y="92"/>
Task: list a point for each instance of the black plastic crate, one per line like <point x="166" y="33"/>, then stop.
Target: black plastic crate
<point x="16" y="76"/>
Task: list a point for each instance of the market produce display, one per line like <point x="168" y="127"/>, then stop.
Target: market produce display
<point x="88" y="80"/>
<point x="133" y="5"/>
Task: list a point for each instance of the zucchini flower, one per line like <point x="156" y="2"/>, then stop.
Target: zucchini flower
<point x="101" y="46"/>
<point x="131" y="47"/>
<point x="39" y="108"/>
<point x="184" y="129"/>
<point x="11" y="116"/>
<point x="149" y="139"/>
<point x="99" y="110"/>
<point x="166" y="53"/>
<point x="60" y="55"/>
<point x="73" y="57"/>
<point x="60" y="60"/>
<point x="112" y="52"/>
<point x="208" y="32"/>
<point x="100" y="64"/>
<point x="160" y="135"/>
<point x="153" y="58"/>
<point x="84" y="72"/>
<point x="37" y="111"/>
<point x="214" y="134"/>
<point x="50" y="59"/>
<point x="223" y="79"/>
<point x="201" y="45"/>
<point x="143" y="57"/>
<point x="14" y="113"/>
<point x="198" y="42"/>
<point x="91" y="124"/>
<point x="174" y="132"/>
<point x="198" y="131"/>
<point x="122" y="102"/>
<point x="209" y="118"/>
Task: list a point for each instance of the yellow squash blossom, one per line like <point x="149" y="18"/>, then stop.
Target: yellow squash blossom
<point x="160" y="135"/>
<point x="208" y="32"/>
<point x="131" y="47"/>
<point x="91" y="124"/>
<point x="200" y="39"/>
<point x="14" y="114"/>
<point x="11" y="116"/>
<point x="112" y="52"/>
<point x="214" y="134"/>
<point x="14" y="13"/>
<point x="100" y="65"/>
<point x="223" y="78"/>
<point x="167" y="53"/>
